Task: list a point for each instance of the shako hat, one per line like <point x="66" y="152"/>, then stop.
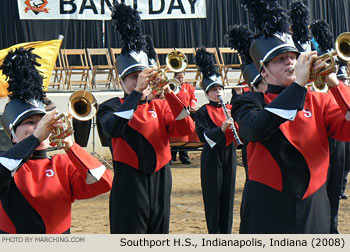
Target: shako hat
<point x="25" y="88"/>
<point x="240" y="38"/>
<point x="133" y="55"/>
<point x="206" y="63"/>
<point x="271" y="23"/>
<point x="342" y="72"/>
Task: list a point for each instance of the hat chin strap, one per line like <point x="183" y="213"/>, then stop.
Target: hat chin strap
<point x="267" y="71"/>
<point x="14" y="135"/>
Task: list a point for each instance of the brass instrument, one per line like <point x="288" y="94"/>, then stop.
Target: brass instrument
<point x="176" y="61"/>
<point x="342" y="50"/>
<point x="238" y="142"/>
<point x="82" y="106"/>
<point x="174" y="85"/>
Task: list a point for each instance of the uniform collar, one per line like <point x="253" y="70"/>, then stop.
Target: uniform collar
<point x="39" y="154"/>
<point x="274" y="89"/>
<point x="215" y="104"/>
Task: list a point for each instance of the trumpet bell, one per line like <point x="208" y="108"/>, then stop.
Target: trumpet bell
<point x="82" y="105"/>
<point x="174" y="85"/>
<point x="342" y="46"/>
<point x="176" y="61"/>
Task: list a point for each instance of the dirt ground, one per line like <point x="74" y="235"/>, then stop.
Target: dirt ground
<point x="187" y="210"/>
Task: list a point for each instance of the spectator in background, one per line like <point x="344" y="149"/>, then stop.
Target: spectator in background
<point x="185" y="92"/>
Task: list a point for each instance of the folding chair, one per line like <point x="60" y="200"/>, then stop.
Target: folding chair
<point x="76" y="63"/>
<point x="57" y="73"/>
<point x="100" y="54"/>
<point x="114" y="54"/>
<point x="227" y="53"/>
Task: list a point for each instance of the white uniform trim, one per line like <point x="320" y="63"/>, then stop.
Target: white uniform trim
<point x="213" y="83"/>
<point x="95" y="175"/>
<point x="136" y="65"/>
<point x="286" y="114"/>
<point x="274" y="49"/>
<point x="184" y="113"/>
<point x="10" y="164"/>
<point x="128" y="114"/>
<point x="209" y="141"/>
<point x="347" y="116"/>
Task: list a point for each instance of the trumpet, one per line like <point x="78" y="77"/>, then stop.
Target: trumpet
<point x="342" y="50"/>
<point x="238" y="142"/>
<point x="176" y="61"/>
<point x="82" y="106"/>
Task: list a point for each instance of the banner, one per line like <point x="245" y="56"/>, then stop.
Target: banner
<point x="47" y="50"/>
<point x="101" y="9"/>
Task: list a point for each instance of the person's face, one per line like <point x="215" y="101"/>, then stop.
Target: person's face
<point x="27" y="128"/>
<point x="280" y="69"/>
<point x="180" y="77"/>
<point x="129" y="82"/>
<point x="214" y="93"/>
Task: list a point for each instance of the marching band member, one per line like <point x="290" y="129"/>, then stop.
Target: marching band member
<point x="186" y="94"/>
<point x="218" y="158"/>
<point x="139" y="130"/>
<point x="37" y="191"/>
<point x="287" y="129"/>
<point x="325" y="41"/>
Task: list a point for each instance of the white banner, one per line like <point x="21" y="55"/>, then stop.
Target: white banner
<point x="101" y="9"/>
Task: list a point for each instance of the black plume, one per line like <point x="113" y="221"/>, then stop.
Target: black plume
<point x="128" y="23"/>
<point x="267" y="16"/>
<point x="151" y="53"/>
<point x="240" y="38"/>
<point x="24" y="79"/>
<point x="206" y="63"/>
<point x="321" y="32"/>
<point x="299" y="15"/>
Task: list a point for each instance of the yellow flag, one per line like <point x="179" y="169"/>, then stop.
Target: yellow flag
<point x="47" y="50"/>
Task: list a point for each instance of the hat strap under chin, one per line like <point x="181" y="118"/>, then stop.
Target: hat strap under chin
<point x="14" y="135"/>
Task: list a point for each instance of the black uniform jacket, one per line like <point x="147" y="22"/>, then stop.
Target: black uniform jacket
<point x="140" y="130"/>
<point x="288" y="151"/>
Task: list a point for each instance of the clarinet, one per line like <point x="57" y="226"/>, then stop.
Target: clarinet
<point x="238" y="142"/>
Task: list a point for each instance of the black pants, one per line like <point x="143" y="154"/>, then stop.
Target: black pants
<point x="346" y="168"/>
<point x="335" y="177"/>
<point x="140" y="202"/>
<point x="218" y="178"/>
<point x="183" y="155"/>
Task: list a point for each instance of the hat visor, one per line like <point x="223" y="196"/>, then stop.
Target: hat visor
<point x="280" y="51"/>
<point x="214" y="84"/>
<point x="133" y="69"/>
<point x="27" y="115"/>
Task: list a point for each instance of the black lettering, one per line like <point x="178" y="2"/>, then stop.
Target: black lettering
<point x="69" y="2"/>
<point x="92" y="6"/>
<point x="192" y="3"/>
<point x="135" y="3"/>
<point x="103" y="6"/>
<point x="179" y="6"/>
<point x="152" y="11"/>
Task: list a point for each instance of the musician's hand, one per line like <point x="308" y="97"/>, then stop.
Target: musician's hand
<point x="68" y="143"/>
<point x="167" y="89"/>
<point x="303" y="66"/>
<point x="226" y="124"/>
<point x="144" y="77"/>
<point x="332" y="80"/>
<point x="46" y="126"/>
